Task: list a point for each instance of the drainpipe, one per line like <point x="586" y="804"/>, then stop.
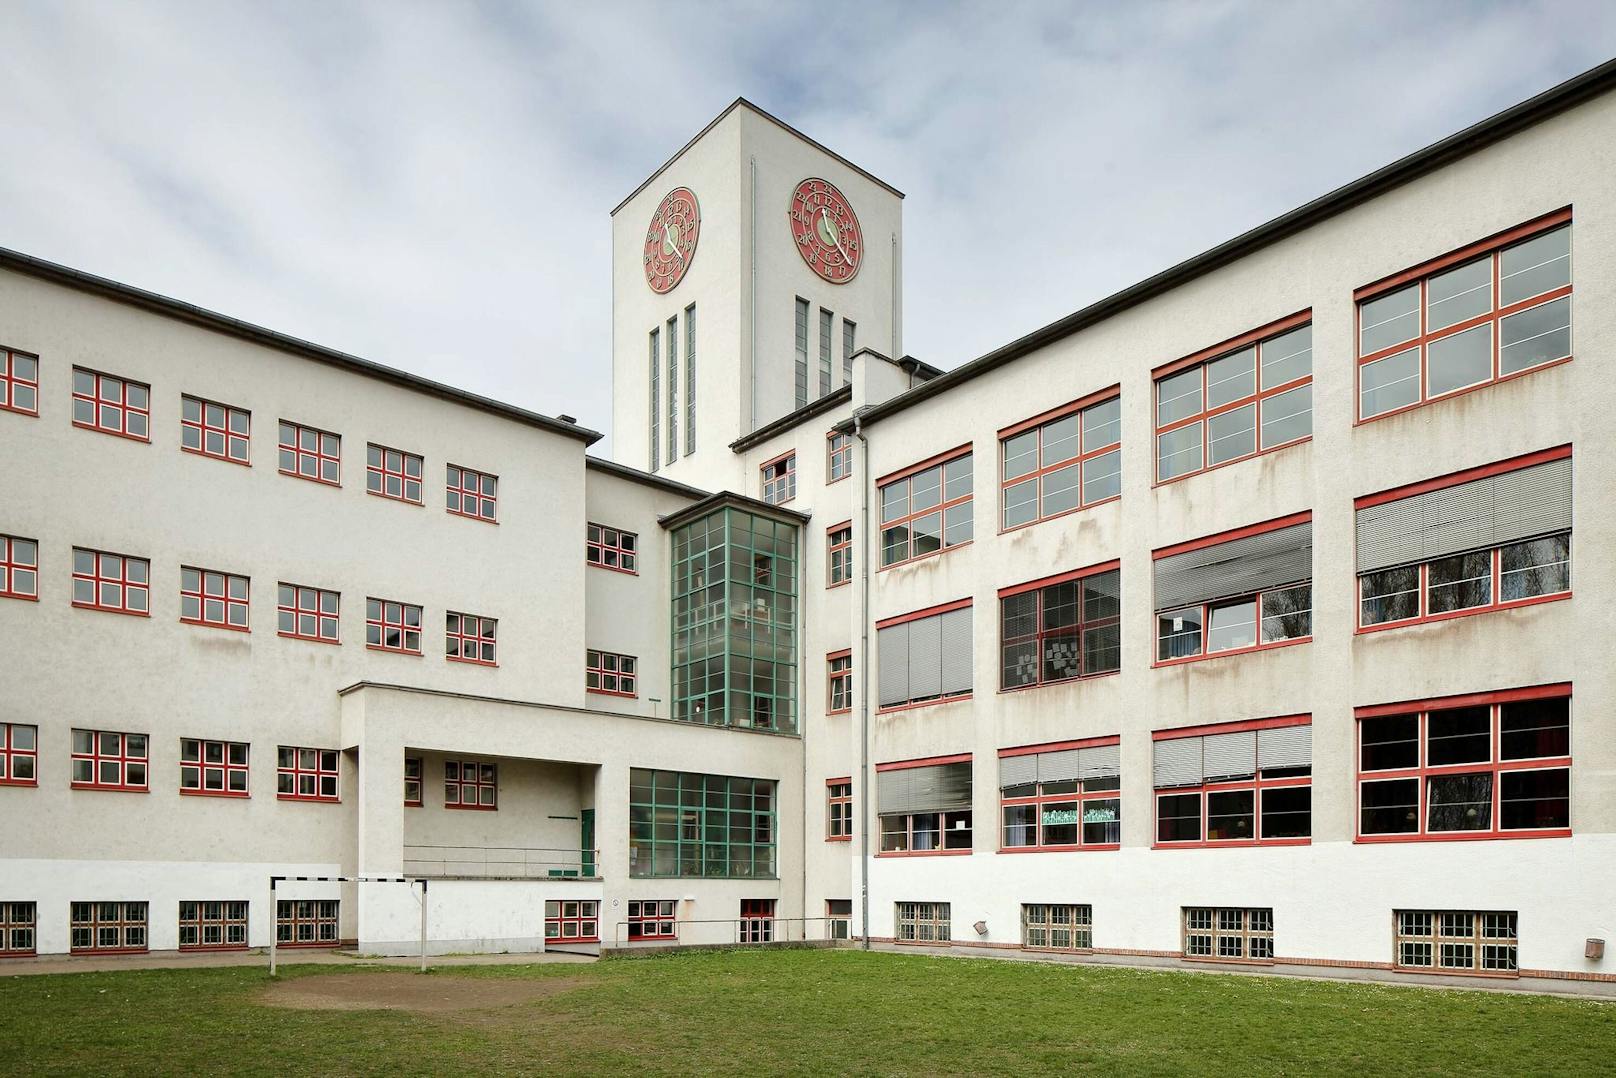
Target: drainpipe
<point x="864" y="679"/>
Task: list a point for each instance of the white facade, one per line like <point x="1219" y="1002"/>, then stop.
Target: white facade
<point x="564" y="754"/>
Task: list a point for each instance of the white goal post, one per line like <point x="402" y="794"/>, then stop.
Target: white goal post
<point x="274" y="905"/>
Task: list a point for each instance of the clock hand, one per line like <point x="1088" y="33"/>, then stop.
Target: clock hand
<point x="670" y="240"/>
<point x="829" y="228"/>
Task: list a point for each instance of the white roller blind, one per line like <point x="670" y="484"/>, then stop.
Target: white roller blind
<point x="938" y="788"/>
<point x="1018" y="770"/>
<point x="1100" y="762"/>
<point x="1177" y="762"/>
<point x="925" y="658"/>
<point x="1229" y="756"/>
<point x="1285" y="746"/>
<point x="956" y="651"/>
<point x="1060" y="766"/>
<point x="1238" y="567"/>
<point x="892" y="644"/>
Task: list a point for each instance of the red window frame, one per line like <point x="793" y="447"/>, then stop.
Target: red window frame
<point x="839" y="551"/>
<point x="839" y="667"/>
<point x="1204" y="359"/>
<point x="612" y="548"/>
<point x="127" y="921"/>
<point x="315" y="917"/>
<point x="1495" y="766"/>
<point x="474" y="779"/>
<point x="465" y="487"/>
<point x="217" y="430"/>
<point x="839" y="809"/>
<point x="414" y="777"/>
<point x="320" y="451"/>
<point x="201" y="760"/>
<point x="1420" y="276"/>
<point x="299" y="602"/>
<point x="1202" y="791"/>
<point x="1043" y="468"/>
<point x="941" y="462"/>
<point x="1077" y="631"/>
<point x="225" y="920"/>
<point x="779" y="476"/>
<point x="657" y="914"/>
<point x="129" y="575"/>
<point x="14" y="748"/>
<point x="219" y="600"/>
<point x="581" y="915"/>
<point x="388" y="474"/>
<point x="944" y="817"/>
<point x="468" y="636"/>
<point x="757" y="920"/>
<point x="838" y="456"/>
<point x="606" y="673"/>
<point x="19" y="371"/>
<point x="1424" y="616"/>
<point x="298" y="767"/>
<point x="1040" y="799"/>
<point x="18" y="924"/>
<point x="392" y="626"/>
<point x="115" y="405"/>
<point x="13" y="563"/>
<point x="129" y="755"/>
<point x="916" y="615"/>
<point x="1255" y="598"/>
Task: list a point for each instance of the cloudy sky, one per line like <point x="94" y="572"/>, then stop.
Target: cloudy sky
<point x="427" y="184"/>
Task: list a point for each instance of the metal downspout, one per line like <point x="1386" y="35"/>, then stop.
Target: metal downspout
<point x="864" y="682"/>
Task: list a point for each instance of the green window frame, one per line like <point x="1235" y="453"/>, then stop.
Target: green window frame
<point x="683" y="824"/>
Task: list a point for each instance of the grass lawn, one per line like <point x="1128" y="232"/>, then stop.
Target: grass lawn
<point x="769" y="1012"/>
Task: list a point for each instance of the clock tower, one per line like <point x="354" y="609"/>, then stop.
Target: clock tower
<point x="747" y="271"/>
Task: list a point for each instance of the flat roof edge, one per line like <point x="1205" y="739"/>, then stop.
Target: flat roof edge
<point x="650" y="479"/>
<point x="794" y="418"/>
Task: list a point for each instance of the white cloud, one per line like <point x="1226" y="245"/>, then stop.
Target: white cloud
<point x="427" y="184"/>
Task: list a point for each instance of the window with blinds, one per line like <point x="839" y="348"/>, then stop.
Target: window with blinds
<point x="924" y="809"/>
<point x="925" y="659"/>
<point x="1235" y="787"/>
<point x="1251" y="591"/>
<point x="1062" y="799"/>
<point x="1480" y="542"/>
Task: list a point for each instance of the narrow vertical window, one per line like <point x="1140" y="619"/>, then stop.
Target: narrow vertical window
<point x="839" y="810"/>
<point x="839" y="688"/>
<point x="839" y="555"/>
<point x="690" y="379"/>
<point x="656" y="403"/>
<point x="673" y="390"/>
<point x="827" y="327"/>
<point x="412" y="782"/>
<point x="801" y="380"/>
<point x="849" y="346"/>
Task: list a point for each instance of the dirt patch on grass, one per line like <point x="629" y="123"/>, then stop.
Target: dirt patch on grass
<point x="410" y="992"/>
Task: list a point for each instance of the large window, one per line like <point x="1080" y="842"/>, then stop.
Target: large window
<point x="1491" y="311"/>
<point x="1061" y="461"/>
<point x="110" y="404"/>
<point x="610" y="674"/>
<point x="612" y="548"/>
<point x="839" y="687"/>
<point x="1254" y="394"/>
<point x="309" y="453"/>
<point x="106" y="760"/>
<point x="572" y="920"/>
<point x="1236" y="591"/>
<point x="471" y="638"/>
<point x="925" y="808"/>
<point x="306" y="774"/>
<point x="1252" y="783"/>
<point x="926" y="509"/>
<point x="683" y="824"/>
<point x="218" y="768"/>
<point x="780" y="479"/>
<point x="925" y="657"/>
<point x="392" y="626"/>
<point x="1224" y="933"/>
<point x="19" y="568"/>
<point x="924" y="922"/>
<point x="1457" y="941"/>
<point x="113" y="582"/>
<point x="1485" y="766"/>
<point x="651" y="919"/>
<point x="838" y="456"/>
<point x="471" y="494"/>
<point x="800" y="371"/>
<point x="1061" y="797"/>
<point x="1483" y="539"/>
<point x="17" y="923"/>
<point x="19" y="381"/>
<point x="1056" y="927"/>
<point x="735" y="621"/>
<point x="393" y="473"/>
<point x="19" y="754"/>
<point x="209" y="597"/>
<point x="1061" y="628"/>
<point x="215" y="430"/>
<point x="839" y="810"/>
<point x="108" y="927"/>
<point x="213" y="926"/>
<point x="306" y="922"/>
<point x="307" y="613"/>
<point x="839" y="555"/>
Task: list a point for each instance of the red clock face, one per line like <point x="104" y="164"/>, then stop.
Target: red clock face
<point x="826" y="231"/>
<point x="670" y="242"/>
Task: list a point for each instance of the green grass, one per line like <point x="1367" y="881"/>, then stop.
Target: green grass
<point x="843" y="1012"/>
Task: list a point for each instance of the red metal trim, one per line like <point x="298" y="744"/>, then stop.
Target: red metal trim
<point x="1058" y="746"/>
<point x="926" y="761"/>
<point x="1475" y="699"/>
<point x="239" y="795"/>
<point x="203" y="427"/>
<point x="1453" y="479"/>
<point x="929" y="554"/>
<point x="1463" y="254"/>
<point x="925" y="853"/>
<point x="112" y="789"/>
<point x="844" y="653"/>
<point x="916" y="615"/>
<point x="772" y="461"/>
<point x="1060" y="578"/>
<point x="1099" y="396"/>
<point x="839" y="782"/>
<point x="848" y="523"/>
<point x="1449" y="615"/>
<point x="941" y="458"/>
<point x="298" y="453"/>
<point x="1239" y="726"/>
<point x="1273" y="645"/>
<point x="1232" y="534"/>
<point x="462" y="489"/>
<point x="1512" y="376"/>
<point x="1064" y="512"/>
<point x="923" y="703"/>
<point x="1233" y="344"/>
<point x="1094" y="847"/>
